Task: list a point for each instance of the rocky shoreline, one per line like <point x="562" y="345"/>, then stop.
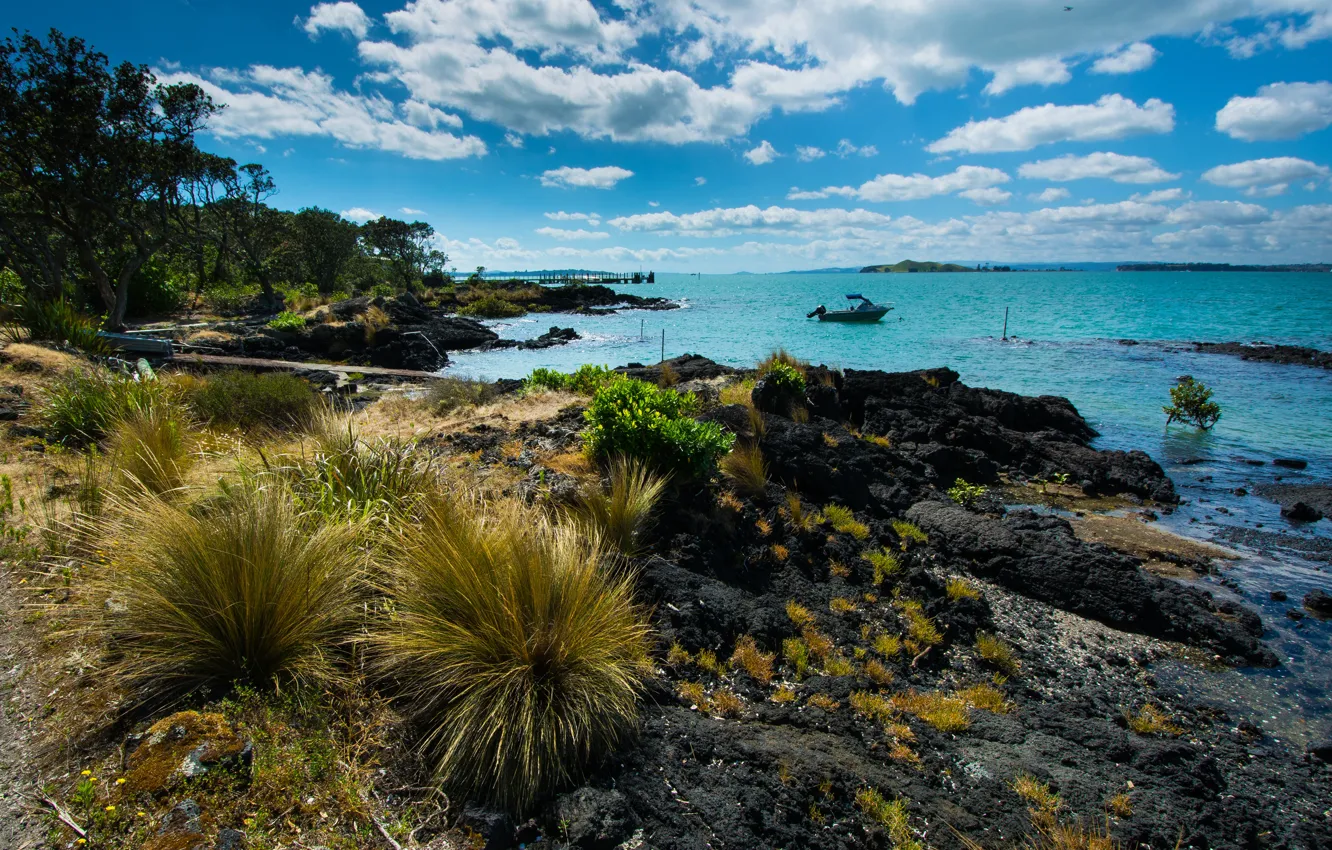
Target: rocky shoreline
<point x="1286" y="355"/>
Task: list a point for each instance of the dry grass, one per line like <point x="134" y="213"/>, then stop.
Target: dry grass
<point x="151" y="448"/>
<point x="785" y="358"/>
<point x="836" y="664"/>
<point x="1120" y="805"/>
<point x="519" y="655"/>
<point x="748" y="657"/>
<point x="885" y="564"/>
<point x="622" y="513"/>
<point x="844" y="521"/>
<point x="824" y="702"/>
<point x="250" y="590"/>
<point x="801" y="519"/>
<point x="891" y="816"/>
<point x="909" y="533"/>
<point x="707" y="660"/>
<point x="798" y="614"/>
<point x="667" y="376"/>
<point x="678" y="656"/>
<point x="877" y="673"/>
<point x="986" y="698"/>
<point x="746" y="470"/>
<point x="958" y="589"/>
<point x="943" y="712"/>
<point x="996" y="652"/>
<point x="783" y="695"/>
<point x="920" y="627"/>
<point x="779" y="552"/>
<point x="726" y="704"/>
<point x="872" y="706"/>
<point x="796" y="653"/>
<point x="841" y="605"/>
<point x="889" y="646"/>
<point x="1152" y="720"/>
<point x="820" y="645"/>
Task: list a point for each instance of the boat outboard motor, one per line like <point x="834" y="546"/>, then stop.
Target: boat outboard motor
<point x="818" y="311"/>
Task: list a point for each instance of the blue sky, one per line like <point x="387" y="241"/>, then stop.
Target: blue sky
<point x="719" y="135"/>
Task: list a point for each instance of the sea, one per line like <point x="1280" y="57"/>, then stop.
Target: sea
<point x="1113" y="343"/>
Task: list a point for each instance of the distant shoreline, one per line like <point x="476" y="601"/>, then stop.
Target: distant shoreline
<point x="1221" y="267"/>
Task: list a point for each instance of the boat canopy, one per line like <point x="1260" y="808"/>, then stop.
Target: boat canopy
<point x="856" y="295"/>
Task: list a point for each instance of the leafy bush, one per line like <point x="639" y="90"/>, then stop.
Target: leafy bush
<point x="448" y="394"/>
<point x="622" y="515"/>
<point x="491" y="307"/>
<point x="55" y="321"/>
<point x="585" y="380"/>
<point x="785" y="378"/>
<point x="965" y="494"/>
<point x="519" y="655"/>
<point x="82" y="406"/>
<point x="243" y="399"/>
<point x="782" y="357"/>
<point x="287" y="321"/>
<point x="1191" y="402"/>
<point x="638" y="420"/>
<point x="151" y="447"/>
<point x="746" y="470"/>
<point x="251" y="590"/>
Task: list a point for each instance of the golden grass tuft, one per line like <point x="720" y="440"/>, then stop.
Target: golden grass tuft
<point x="678" y="656"/>
<point x="1120" y="805"/>
<point x="739" y="392"/>
<point x="1152" y="720"/>
<point x="151" y="447"/>
<point x="796" y="653"/>
<point x="519" y="655"/>
<point x="726" y="704"/>
<point x="877" y="673"/>
<point x="885" y="564"/>
<point x="622" y="513"/>
<point x="830" y="441"/>
<point x="785" y="358"/>
<point x="920" y="627"/>
<point x="909" y="533"/>
<point x="667" y="376"/>
<point x="843" y="520"/>
<point x="746" y="470"/>
<point x="824" y="702"/>
<point x="707" y="660"/>
<point x="748" y="657"/>
<point x="798" y="614"/>
<point x="693" y="693"/>
<point x="943" y="712"/>
<point x="997" y="653"/>
<point x="251" y="590"/>
<point x="801" y="519"/>
<point x="783" y="695"/>
<point x="872" y="706"/>
<point x="986" y="698"/>
<point x="838" y="569"/>
<point x="958" y="589"/>
<point x="1037" y="795"/>
<point x="820" y="645"/>
<point x="837" y="664"/>
<point x="779" y="552"/>
<point x="889" y="646"/>
<point x="890" y="815"/>
<point x="841" y="605"/>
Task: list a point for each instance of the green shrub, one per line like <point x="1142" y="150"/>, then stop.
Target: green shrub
<point x="251" y="590"/>
<point x="1191" y="402"/>
<point x="56" y="321"/>
<point x="243" y="399"/>
<point x="448" y="394"/>
<point x="230" y="298"/>
<point x="491" y="307"/>
<point x="287" y="321"/>
<point x="517" y="653"/>
<point x="585" y="380"/>
<point x="785" y="378"/>
<point x="82" y="406"/>
<point x="965" y="494"/>
<point x="638" y="420"/>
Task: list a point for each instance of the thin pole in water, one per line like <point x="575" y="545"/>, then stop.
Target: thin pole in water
<point x="1005" y="324"/>
<point x="663" y="345"/>
<point x="640" y="329"/>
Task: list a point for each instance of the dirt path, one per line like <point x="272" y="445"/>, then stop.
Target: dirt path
<point x="22" y="827"/>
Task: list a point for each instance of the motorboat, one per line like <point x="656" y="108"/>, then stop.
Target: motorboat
<point x="865" y="311"/>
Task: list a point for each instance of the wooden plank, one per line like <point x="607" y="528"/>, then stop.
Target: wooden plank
<point x="293" y="366"/>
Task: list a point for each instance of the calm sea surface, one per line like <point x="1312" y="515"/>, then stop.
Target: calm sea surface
<point x="1069" y="327"/>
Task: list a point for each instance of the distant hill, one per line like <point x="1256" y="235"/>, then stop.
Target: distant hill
<point x="831" y="270"/>
<point x="1220" y="267"/>
<point x="911" y="266"/>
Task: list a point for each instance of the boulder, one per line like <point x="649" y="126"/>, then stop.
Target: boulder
<point x="595" y="819"/>
<point x="1291" y="462"/>
<point x="770" y="396"/>
<point x="180" y="829"/>
<point x="180" y="747"/>
<point x="1301" y="512"/>
<point x="1318" y="603"/>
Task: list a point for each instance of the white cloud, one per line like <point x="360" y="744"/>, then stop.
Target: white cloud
<point x="808" y="153"/>
<point x="1135" y="57"/>
<point x="571" y="216"/>
<point x="1161" y="196"/>
<point x="602" y="177"/>
<point x="915" y="187"/>
<point x="845" y="148"/>
<point x="1218" y="212"/>
<point x="1278" y="111"/>
<point x="513" y="140"/>
<point x="1045" y="71"/>
<point x="572" y="235"/>
<point x="700" y="181"/>
<point x="1106" y="166"/>
<point x="986" y="197"/>
<point x="763" y="154"/>
<point x="725" y="221"/>
<point x="359" y="214"/>
<point x="654" y="203"/>
<point x="343" y="16"/>
<point x="1112" y="117"/>
<point x="410" y="211"/>
<point x="1051" y="194"/>
<point x="1265" y="177"/>
<point x="266" y="102"/>
<point x="427" y="117"/>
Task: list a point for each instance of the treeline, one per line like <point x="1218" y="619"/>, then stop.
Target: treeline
<point x="107" y="202"/>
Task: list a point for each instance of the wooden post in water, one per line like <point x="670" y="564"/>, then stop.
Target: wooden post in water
<point x="663" y="345"/>
<point x="1005" y="324"/>
<point x="641" y="323"/>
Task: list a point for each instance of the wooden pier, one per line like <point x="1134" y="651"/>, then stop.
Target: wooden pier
<point x="570" y="277"/>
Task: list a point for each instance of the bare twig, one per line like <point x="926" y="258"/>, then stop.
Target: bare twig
<point x="924" y="652"/>
<point x="65" y="817"/>
<point x="383" y="830"/>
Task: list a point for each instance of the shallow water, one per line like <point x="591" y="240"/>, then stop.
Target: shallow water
<point x="1069" y="328"/>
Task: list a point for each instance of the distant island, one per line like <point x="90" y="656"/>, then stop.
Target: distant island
<point x="911" y="266"/>
<point x="1221" y="267"/>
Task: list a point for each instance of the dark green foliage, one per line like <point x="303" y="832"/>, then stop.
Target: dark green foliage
<point x="638" y="420"/>
<point x="787" y="379"/>
<point x="287" y="321"/>
<point x="246" y="400"/>
<point x="491" y="307"/>
<point x="586" y="380"/>
<point x="56" y="321"/>
<point x="405" y="248"/>
<point x="324" y="243"/>
<point x="83" y="406"/>
<point x="1191" y="402"/>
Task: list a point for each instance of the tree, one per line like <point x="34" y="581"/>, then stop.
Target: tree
<point x="257" y="229"/>
<point x="405" y="247"/>
<point x="323" y="242"/>
<point x="1191" y="401"/>
<point x="94" y="154"/>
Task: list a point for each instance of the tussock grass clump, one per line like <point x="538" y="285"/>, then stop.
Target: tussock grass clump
<point x="796" y="654"/>
<point x="752" y="660"/>
<point x="909" y="533"/>
<point x="240" y="399"/>
<point x="986" y="698"/>
<point x="783" y="695"/>
<point x="707" y="660"/>
<point x="877" y="673"/>
<point x="891" y="815"/>
<point x="958" y="589"/>
<point x="251" y="590"/>
<point x="726" y="704"/>
<point x="1152" y="720"/>
<point x="520" y="656"/>
<point x="843" y="520"/>
<point x="819" y="644"/>
<point x="151" y="447"/>
<point x="889" y="646"/>
<point x="667" y="376"/>
<point x="739" y="392"/>
<point x="885" y="565"/>
<point x="841" y="605"/>
<point x="801" y="519"/>
<point x="798" y="614"/>
<point x="872" y="706"/>
<point x="782" y="357"/>
<point x="920" y="627"/>
<point x="448" y="394"/>
<point x="83" y="405"/>
<point x="996" y="652"/>
<point x="621" y="514"/>
<point x="943" y="712"/>
<point x="823" y="701"/>
<point x="836" y="664"/>
<point x="1037" y="795"/>
<point x="746" y="470"/>
<point x="54" y="321"/>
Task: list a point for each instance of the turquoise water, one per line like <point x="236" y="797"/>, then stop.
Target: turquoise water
<point x="1068" y="328"/>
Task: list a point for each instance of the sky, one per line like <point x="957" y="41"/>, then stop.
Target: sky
<point x="767" y="135"/>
